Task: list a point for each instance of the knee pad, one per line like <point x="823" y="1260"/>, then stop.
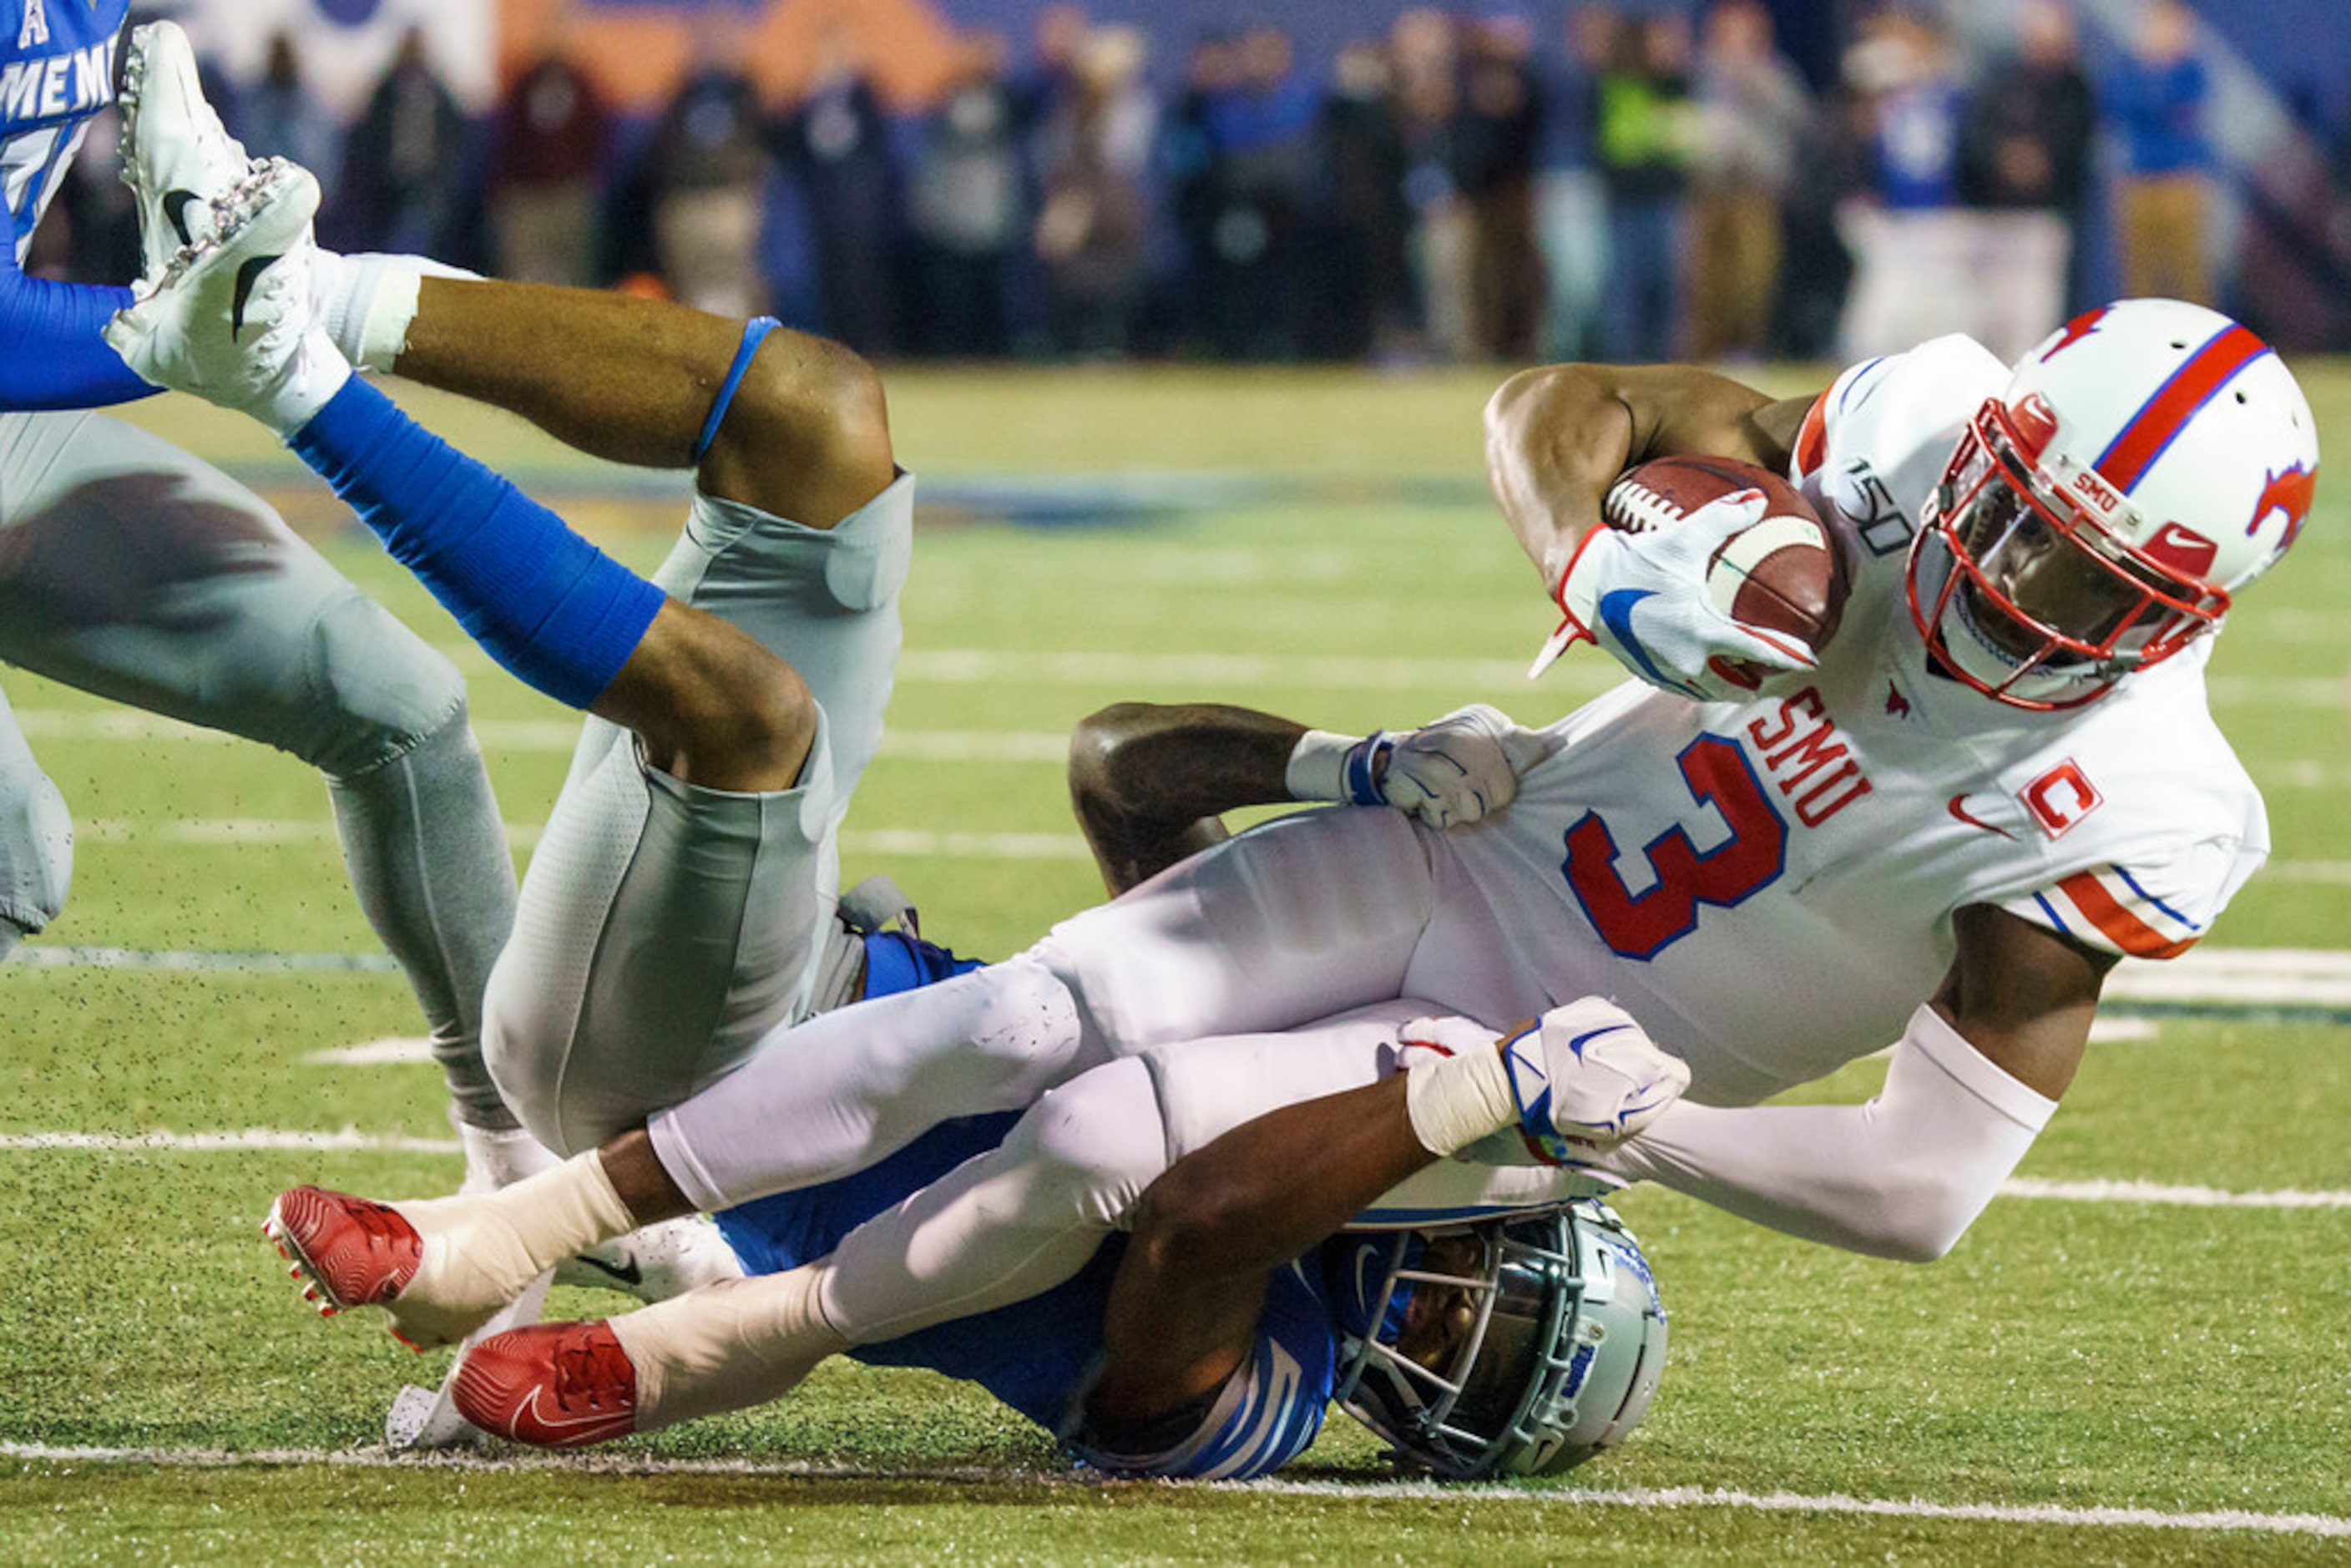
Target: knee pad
<point x="36" y="855"/>
<point x="377" y="690"/>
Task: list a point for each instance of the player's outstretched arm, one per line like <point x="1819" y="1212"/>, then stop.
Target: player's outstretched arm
<point x="1185" y="1301"/>
<point x="805" y="435"/>
<point x="1557" y="437"/>
<point x="1149" y="781"/>
<point x="1970" y="1084"/>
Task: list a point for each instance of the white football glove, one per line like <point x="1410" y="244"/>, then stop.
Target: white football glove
<point x="1566" y="1089"/>
<point x="1643" y="597"/>
<point x="1446" y="774"/>
<point x="1585" y="1077"/>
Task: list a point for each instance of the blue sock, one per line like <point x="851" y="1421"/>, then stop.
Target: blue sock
<point x="544" y="602"/>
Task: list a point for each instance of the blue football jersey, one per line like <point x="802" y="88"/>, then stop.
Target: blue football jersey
<point x="1034" y="1355"/>
<point x="57" y="70"/>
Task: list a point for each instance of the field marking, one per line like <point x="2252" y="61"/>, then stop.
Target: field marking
<point x="45" y="956"/>
<point x="2204" y="1521"/>
<point x="216" y="832"/>
<point x="249" y="1140"/>
<point x="350" y="1140"/>
<point x="2173" y="1196"/>
<point x="393" y="1051"/>
<point x="558" y="735"/>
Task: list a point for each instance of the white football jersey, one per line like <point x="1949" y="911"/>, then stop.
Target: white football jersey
<point x="1769" y="885"/>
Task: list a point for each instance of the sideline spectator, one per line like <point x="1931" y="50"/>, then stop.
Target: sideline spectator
<point x="1752" y="117"/>
<point x="1359" y="304"/>
<point x="551" y="137"/>
<point x="1424" y="45"/>
<point x="705" y="171"/>
<point x="402" y="167"/>
<point x="279" y="117"/>
<point x="1091" y="233"/>
<point x="968" y="208"/>
<point x="1643" y="145"/>
<point x="2155" y="101"/>
<point x="1259" y="137"/>
<point x="2024" y="164"/>
<point x="1913" y="264"/>
<point x="1571" y="201"/>
<point x="836" y="144"/>
<point x="1494" y="169"/>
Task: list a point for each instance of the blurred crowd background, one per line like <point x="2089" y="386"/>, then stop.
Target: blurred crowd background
<point x="1725" y="180"/>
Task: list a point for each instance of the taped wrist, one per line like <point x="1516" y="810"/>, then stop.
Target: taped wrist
<point x="1324" y="766"/>
<point x="1454" y="1101"/>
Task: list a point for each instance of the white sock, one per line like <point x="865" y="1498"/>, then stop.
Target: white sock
<point x="369" y="301"/>
<point x="726" y="1346"/>
<point x="499" y="1158"/>
<point x="482" y="1250"/>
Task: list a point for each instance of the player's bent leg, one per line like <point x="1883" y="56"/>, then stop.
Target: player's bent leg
<point x="1002" y="1227"/>
<point x="137" y="572"/>
<point x="709" y="913"/>
<point x="441" y="1268"/>
<point x="35" y="840"/>
<point x="1304" y="917"/>
<point x="729" y="1346"/>
<point x="831" y="1096"/>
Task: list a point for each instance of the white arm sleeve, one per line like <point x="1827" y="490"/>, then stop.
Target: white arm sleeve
<point x="1902" y="1176"/>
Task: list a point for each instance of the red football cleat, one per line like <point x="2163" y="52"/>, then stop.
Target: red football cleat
<point x="553" y="1385"/>
<point x="354" y="1253"/>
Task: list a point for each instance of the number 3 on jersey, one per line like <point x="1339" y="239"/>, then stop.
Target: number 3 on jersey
<point x="1642" y="926"/>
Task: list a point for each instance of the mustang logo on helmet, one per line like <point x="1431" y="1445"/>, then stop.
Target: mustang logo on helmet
<point x="2291" y="493"/>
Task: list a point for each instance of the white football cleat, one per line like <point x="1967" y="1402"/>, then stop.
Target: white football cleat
<point x="656" y="1262"/>
<point x="177" y="157"/>
<point x="233" y="319"/>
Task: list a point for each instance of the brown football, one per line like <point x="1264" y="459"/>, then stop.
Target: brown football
<point x="1785" y="573"/>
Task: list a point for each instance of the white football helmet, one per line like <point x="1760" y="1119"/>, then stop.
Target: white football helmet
<point x="2147" y="460"/>
<point x="1507" y="1347"/>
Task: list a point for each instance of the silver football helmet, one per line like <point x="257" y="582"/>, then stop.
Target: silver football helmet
<point x="1511" y="1346"/>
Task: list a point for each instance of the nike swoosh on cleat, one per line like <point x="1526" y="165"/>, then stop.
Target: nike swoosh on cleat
<point x="628" y="1278"/>
<point x="175" y="209"/>
<point x="246" y="276"/>
<point x="570" y="1425"/>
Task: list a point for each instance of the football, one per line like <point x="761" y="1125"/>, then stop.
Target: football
<point x="1786" y="573"/>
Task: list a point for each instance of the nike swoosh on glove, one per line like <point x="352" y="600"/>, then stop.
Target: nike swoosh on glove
<point x="1643" y="597"/>
<point x="1586" y="1078"/>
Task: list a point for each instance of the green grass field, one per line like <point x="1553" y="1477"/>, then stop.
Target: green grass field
<point x="2101" y="1372"/>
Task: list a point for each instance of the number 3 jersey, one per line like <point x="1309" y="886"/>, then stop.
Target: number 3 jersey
<point x="1767" y="885"/>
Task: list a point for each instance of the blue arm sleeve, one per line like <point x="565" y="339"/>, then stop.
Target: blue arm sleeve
<point x="54" y="357"/>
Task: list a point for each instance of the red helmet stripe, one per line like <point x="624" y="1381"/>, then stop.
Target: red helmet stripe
<point x="2163" y="416"/>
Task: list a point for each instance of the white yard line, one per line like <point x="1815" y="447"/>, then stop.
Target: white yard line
<point x="2220" y="1521"/>
<point x="350" y="1140"/>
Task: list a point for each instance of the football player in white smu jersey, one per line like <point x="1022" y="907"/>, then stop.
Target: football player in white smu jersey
<point x="2000" y="777"/>
<point x="132" y="570"/>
